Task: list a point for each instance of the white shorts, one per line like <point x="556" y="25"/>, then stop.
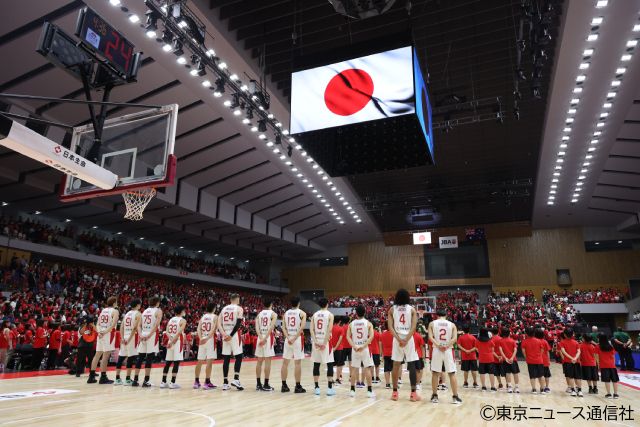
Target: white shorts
<point x="440" y="359"/>
<point x="361" y="358"/>
<point x="175" y="353"/>
<point x="107" y="342"/>
<point x="232" y="347"/>
<point x="151" y="345"/>
<point x="322" y="356"/>
<point x="129" y="350"/>
<point x="295" y="351"/>
<point x="267" y="349"/>
<point x="207" y="351"/>
<point x="407" y="353"/>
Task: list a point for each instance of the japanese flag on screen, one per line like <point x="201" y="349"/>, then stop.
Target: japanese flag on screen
<point x="368" y="88"/>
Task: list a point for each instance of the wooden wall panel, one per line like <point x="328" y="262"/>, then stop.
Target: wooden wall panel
<point x="515" y="262"/>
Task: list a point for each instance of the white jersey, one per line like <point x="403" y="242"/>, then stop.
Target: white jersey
<point x="293" y="321"/>
<point x="442" y="330"/>
<point x="208" y="323"/>
<point x="173" y="327"/>
<point x="230" y="314"/>
<point x="264" y="321"/>
<point x="320" y="321"/>
<point x="129" y="322"/>
<point x="105" y="320"/>
<point x="148" y="318"/>
<point x="402" y="319"/>
<point x="359" y="332"/>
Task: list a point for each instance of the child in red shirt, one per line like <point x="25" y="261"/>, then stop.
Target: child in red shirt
<point x="546" y="348"/>
<point x="532" y="348"/>
<point x="570" y="351"/>
<point x="608" y="372"/>
<point x="419" y="343"/>
<point x="497" y="359"/>
<point x="588" y="363"/>
<point x="469" y="357"/>
<point x="507" y="348"/>
<point x="387" y="347"/>
<point x="486" y="352"/>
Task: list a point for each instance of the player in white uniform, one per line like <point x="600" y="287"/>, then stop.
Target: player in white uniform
<point x="174" y="335"/>
<point x="401" y="320"/>
<point x="207" y="346"/>
<point x="360" y="335"/>
<point x="129" y="330"/>
<point x="107" y="322"/>
<point x="293" y="329"/>
<point x="443" y="334"/>
<point x="149" y="340"/>
<point x="229" y="323"/>
<point x="321" y="351"/>
<point x="265" y="324"/>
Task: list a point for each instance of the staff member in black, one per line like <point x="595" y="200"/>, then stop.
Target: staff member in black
<point x="86" y="344"/>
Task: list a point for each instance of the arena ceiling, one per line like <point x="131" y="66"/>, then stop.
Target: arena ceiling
<point x="234" y="196"/>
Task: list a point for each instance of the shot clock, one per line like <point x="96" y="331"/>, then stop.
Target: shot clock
<point x="101" y="38"/>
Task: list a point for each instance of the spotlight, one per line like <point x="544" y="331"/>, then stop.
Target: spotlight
<point x="199" y="69"/>
<point x="167" y="41"/>
<point x="236" y="101"/>
<point x="289" y="151"/>
<point x="133" y="18"/>
<point x="151" y="25"/>
<point x="278" y="140"/>
<point x="262" y="126"/>
<point x="177" y="47"/>
<point x="219" y="90"/>
<point x="249" y="113"/>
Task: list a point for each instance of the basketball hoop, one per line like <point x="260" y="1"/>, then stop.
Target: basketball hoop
<point x="136" y="201"/>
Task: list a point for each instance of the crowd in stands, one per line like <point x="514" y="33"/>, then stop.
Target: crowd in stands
<point x="57" y="297"/>
<point x="602" y="295"/>
<point x="34" y="231"/>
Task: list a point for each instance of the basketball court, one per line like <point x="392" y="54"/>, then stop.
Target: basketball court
<point x="482" y="154"/>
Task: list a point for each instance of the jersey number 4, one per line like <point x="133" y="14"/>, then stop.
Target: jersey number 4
<point x="402" y="319"/>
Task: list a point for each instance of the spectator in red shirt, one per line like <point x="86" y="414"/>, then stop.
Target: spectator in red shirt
<point x="420" y="349"/>
<point x="55" y="346"/>
<point x="468" y="356"/>
<point x="497" y="360"/>
<point x="570" y="351"/>
<point x="67" y="342"/>
<point x="5" y="345"/>
<point x="375" y="349"/>
<point x="39" y="345"/>
<point x="486" y="352"/>
<point x="507" y="348"/>
<point x="386" y="340"/>
<point x="532" y="348"/>
<point x="546" y="348"/>
<point x="337" y="342"/>
<point x="606" y="359"/>
<point x="588" y="363"/>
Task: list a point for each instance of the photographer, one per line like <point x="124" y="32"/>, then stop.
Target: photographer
<point x="86" y="344"/>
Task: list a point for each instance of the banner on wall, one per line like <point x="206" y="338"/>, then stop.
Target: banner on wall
<point x="422" y="238"/>
<point x="448" y="242"/>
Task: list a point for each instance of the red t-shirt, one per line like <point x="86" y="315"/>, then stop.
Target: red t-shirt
<point x="336" y="333"/>
<point x="419" y="343"/>
<point x="508" y="345"/>
<point x="4" y="342"/>
<point x="40" y="340"/>
<point x="55" y="340"/>
<point x="345" y="341"/>
<point x="75" y="338"/>
<point x="546" y="348"/>
<point x="607" y="358"/>
<point x="66" y="337"/>
<point x="374" y="346"/>
<point x="486" y="351"/>
<point x="533" y="348"/>
<point x="571" y="347"/>
<point x="496" y="341"/>
<point x="118" y="338"/>
<point x="587" y="353"/>
<point x="387" y="343"/>
<point x="468" y="341"/>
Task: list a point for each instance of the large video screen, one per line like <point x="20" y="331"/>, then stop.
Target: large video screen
<point x="423" y="106"/>
<point x="369" y="88"/>
<point x="466" y="261"/>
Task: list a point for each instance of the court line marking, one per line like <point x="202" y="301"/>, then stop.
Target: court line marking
<point x="336" y="422"/>
<point x="212" y="422"/>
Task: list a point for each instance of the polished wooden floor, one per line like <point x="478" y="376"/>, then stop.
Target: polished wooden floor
<point x="100" y="405"/>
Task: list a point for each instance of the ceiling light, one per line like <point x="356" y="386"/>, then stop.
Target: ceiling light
<point x="636" y="28"/>
<point x="285" y="132"/>
<point x="550" y="202"/>
<point x="222" y="65"/>
<point x="581" y="78"/>
<point x="254" y="129"/>
<point x="319" y="196"/>
<point x="603" y="115"/>
<point x="591" y="149"/>
<point x="309" y="185"/>
<point x="569" y="120"/>
<point x="574" y="200"/>
<point x="67" y="220"/>
<point x="141" y="238"/>
<point x="227" y="103"/>
<point x="584" y="66"/>
<point x="246" y="121"/>
<point x="597" y="20"/>
<point x="565" y="138"/>
<point x="314" y="191"/>
<point x="232" y="258"/>
<point x="581" y="177"/>
<point x="597" y="133"/>
<point x="588" y="157"/>
<point x="276" y="150"/>
<point x="558" y="167"/>
<point x="341" y="222"/>
<point x="555" y="180"/>
<point x="559" y="160"/>
<point x="305" y="180"/>
<point x="262" y="136"/>
<point x="134" y="19"/>
<point x="245" y="88"/>
<point x="552" y="192"/>
<point x="282" y="157"/>
<point x="583" y="171"/>
<point x="574" y="101"/>
<point x="118" y="233"/>
<point x="561" y="153"/>
<point x="552" y="197"/>
<point x="341" y="198"/>
<point x="580" y="184"/>
<point x="161" y="243"/>
<point x="602" y="3"/>
<point x="206" y="83"/>
<point x="315" y="166"/>
<point x="572" y="111"/>
<point x="586" y="163"/>
<point x="577" y="90"/>
<point x="621" y="70"/>
<point x="592" y="37"/>
<point x="600" y="124"/>
<point x="563" y="145"/>
<point x="299" y="175"/>
<point x="626" y="57"/>
<point x="632" y="43"/>
<point x="556" y="174"/>
<point x="181" y="60"/>
<point x="181" y="247"/>
<point x="606" y="105"/>
<point x="94" y="227"/>
<point x="554" y="186"/>
<point x="233" y="77"/>
<point x="587" y="52"/>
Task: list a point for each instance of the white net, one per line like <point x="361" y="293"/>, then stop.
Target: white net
<point x="136" y="201"/>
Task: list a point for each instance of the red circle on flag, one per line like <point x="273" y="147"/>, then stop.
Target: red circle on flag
<point x="421" y="238"/>
<point x="348" y="92"/>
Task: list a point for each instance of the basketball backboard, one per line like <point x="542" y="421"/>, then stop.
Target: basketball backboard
<point x="137" y="147"/>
